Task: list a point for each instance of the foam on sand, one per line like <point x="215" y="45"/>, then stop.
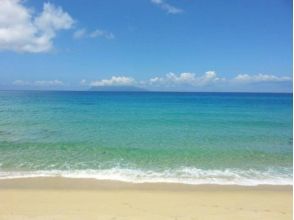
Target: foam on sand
<point x="184" y="175"/>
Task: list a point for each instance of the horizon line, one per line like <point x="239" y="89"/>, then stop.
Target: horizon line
<point x="145" y="91"/>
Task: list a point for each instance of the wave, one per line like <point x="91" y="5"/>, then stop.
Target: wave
<point x="193" y="176"/>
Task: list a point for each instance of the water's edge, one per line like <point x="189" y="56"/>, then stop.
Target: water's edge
<point x="190" y="176"/>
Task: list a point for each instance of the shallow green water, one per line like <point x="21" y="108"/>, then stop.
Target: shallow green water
<point x="225" y="138"/>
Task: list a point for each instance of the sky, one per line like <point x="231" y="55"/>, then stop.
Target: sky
<point x="162" y="45"/>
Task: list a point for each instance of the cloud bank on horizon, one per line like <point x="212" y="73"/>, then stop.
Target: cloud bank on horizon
<point x="173" y="82"/>
<point x="194" y="81"/>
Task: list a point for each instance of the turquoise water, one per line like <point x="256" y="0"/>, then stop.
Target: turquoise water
<point x="195" y="138"/>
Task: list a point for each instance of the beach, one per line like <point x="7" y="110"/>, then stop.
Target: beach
<point x="146" y="110"/>
<point x="153" y="156"/>
<point x="65" y="198"/>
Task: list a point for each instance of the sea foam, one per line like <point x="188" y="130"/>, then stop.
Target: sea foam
<point x="185" y="175"/>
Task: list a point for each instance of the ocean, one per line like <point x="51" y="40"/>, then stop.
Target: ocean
<point x="191" y="138"/>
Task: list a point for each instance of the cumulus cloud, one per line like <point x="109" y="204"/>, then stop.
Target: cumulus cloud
<point x="83" y="33"/>
<point x="245" y="78"/>
<point x="187" y="78"/>
<point x="39" y="83"/>
<point x="23" y="31"/>
<point x="114" y="81"/>
<point x="209" y="79"/>
<point x="170" y="9"/>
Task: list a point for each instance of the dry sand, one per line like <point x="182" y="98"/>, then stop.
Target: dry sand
<point x="60" y="198"/>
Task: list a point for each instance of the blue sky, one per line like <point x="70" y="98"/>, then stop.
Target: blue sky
<point x="183" y="45"/>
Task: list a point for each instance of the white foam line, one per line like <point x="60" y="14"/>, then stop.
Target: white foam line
<point x="190" y="176"/>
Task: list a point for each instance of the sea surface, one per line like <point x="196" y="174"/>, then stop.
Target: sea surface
<point x="192" y="138"/>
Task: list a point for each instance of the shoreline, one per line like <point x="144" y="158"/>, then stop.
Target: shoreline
<point x="185" y="175"/>
<point x="60" y="183"/>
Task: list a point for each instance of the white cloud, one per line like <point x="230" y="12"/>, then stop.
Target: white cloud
<point x="102" y="33"/>
<point x="114" y="81"/>
<point x="186" y="81"/>
<point x="170" y="9"/>
<point x="78" y="34"/>
<point x="21" y="83"/>
<point x="173" y="80"/>
<point x="23" y="31"/>
<point x="83" y="82"/>
<point x="245" y="78"/>
<point x="210" y="77"/>
<point x="49" y="83"/>
<point x="83" y="33"/>
<point x="39" y="83"/>
<point x="186" y="78"/>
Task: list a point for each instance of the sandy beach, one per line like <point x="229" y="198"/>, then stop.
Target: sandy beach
<point x="60" y="198"/>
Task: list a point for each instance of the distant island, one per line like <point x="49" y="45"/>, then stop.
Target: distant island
<point x="117" y="89"/>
